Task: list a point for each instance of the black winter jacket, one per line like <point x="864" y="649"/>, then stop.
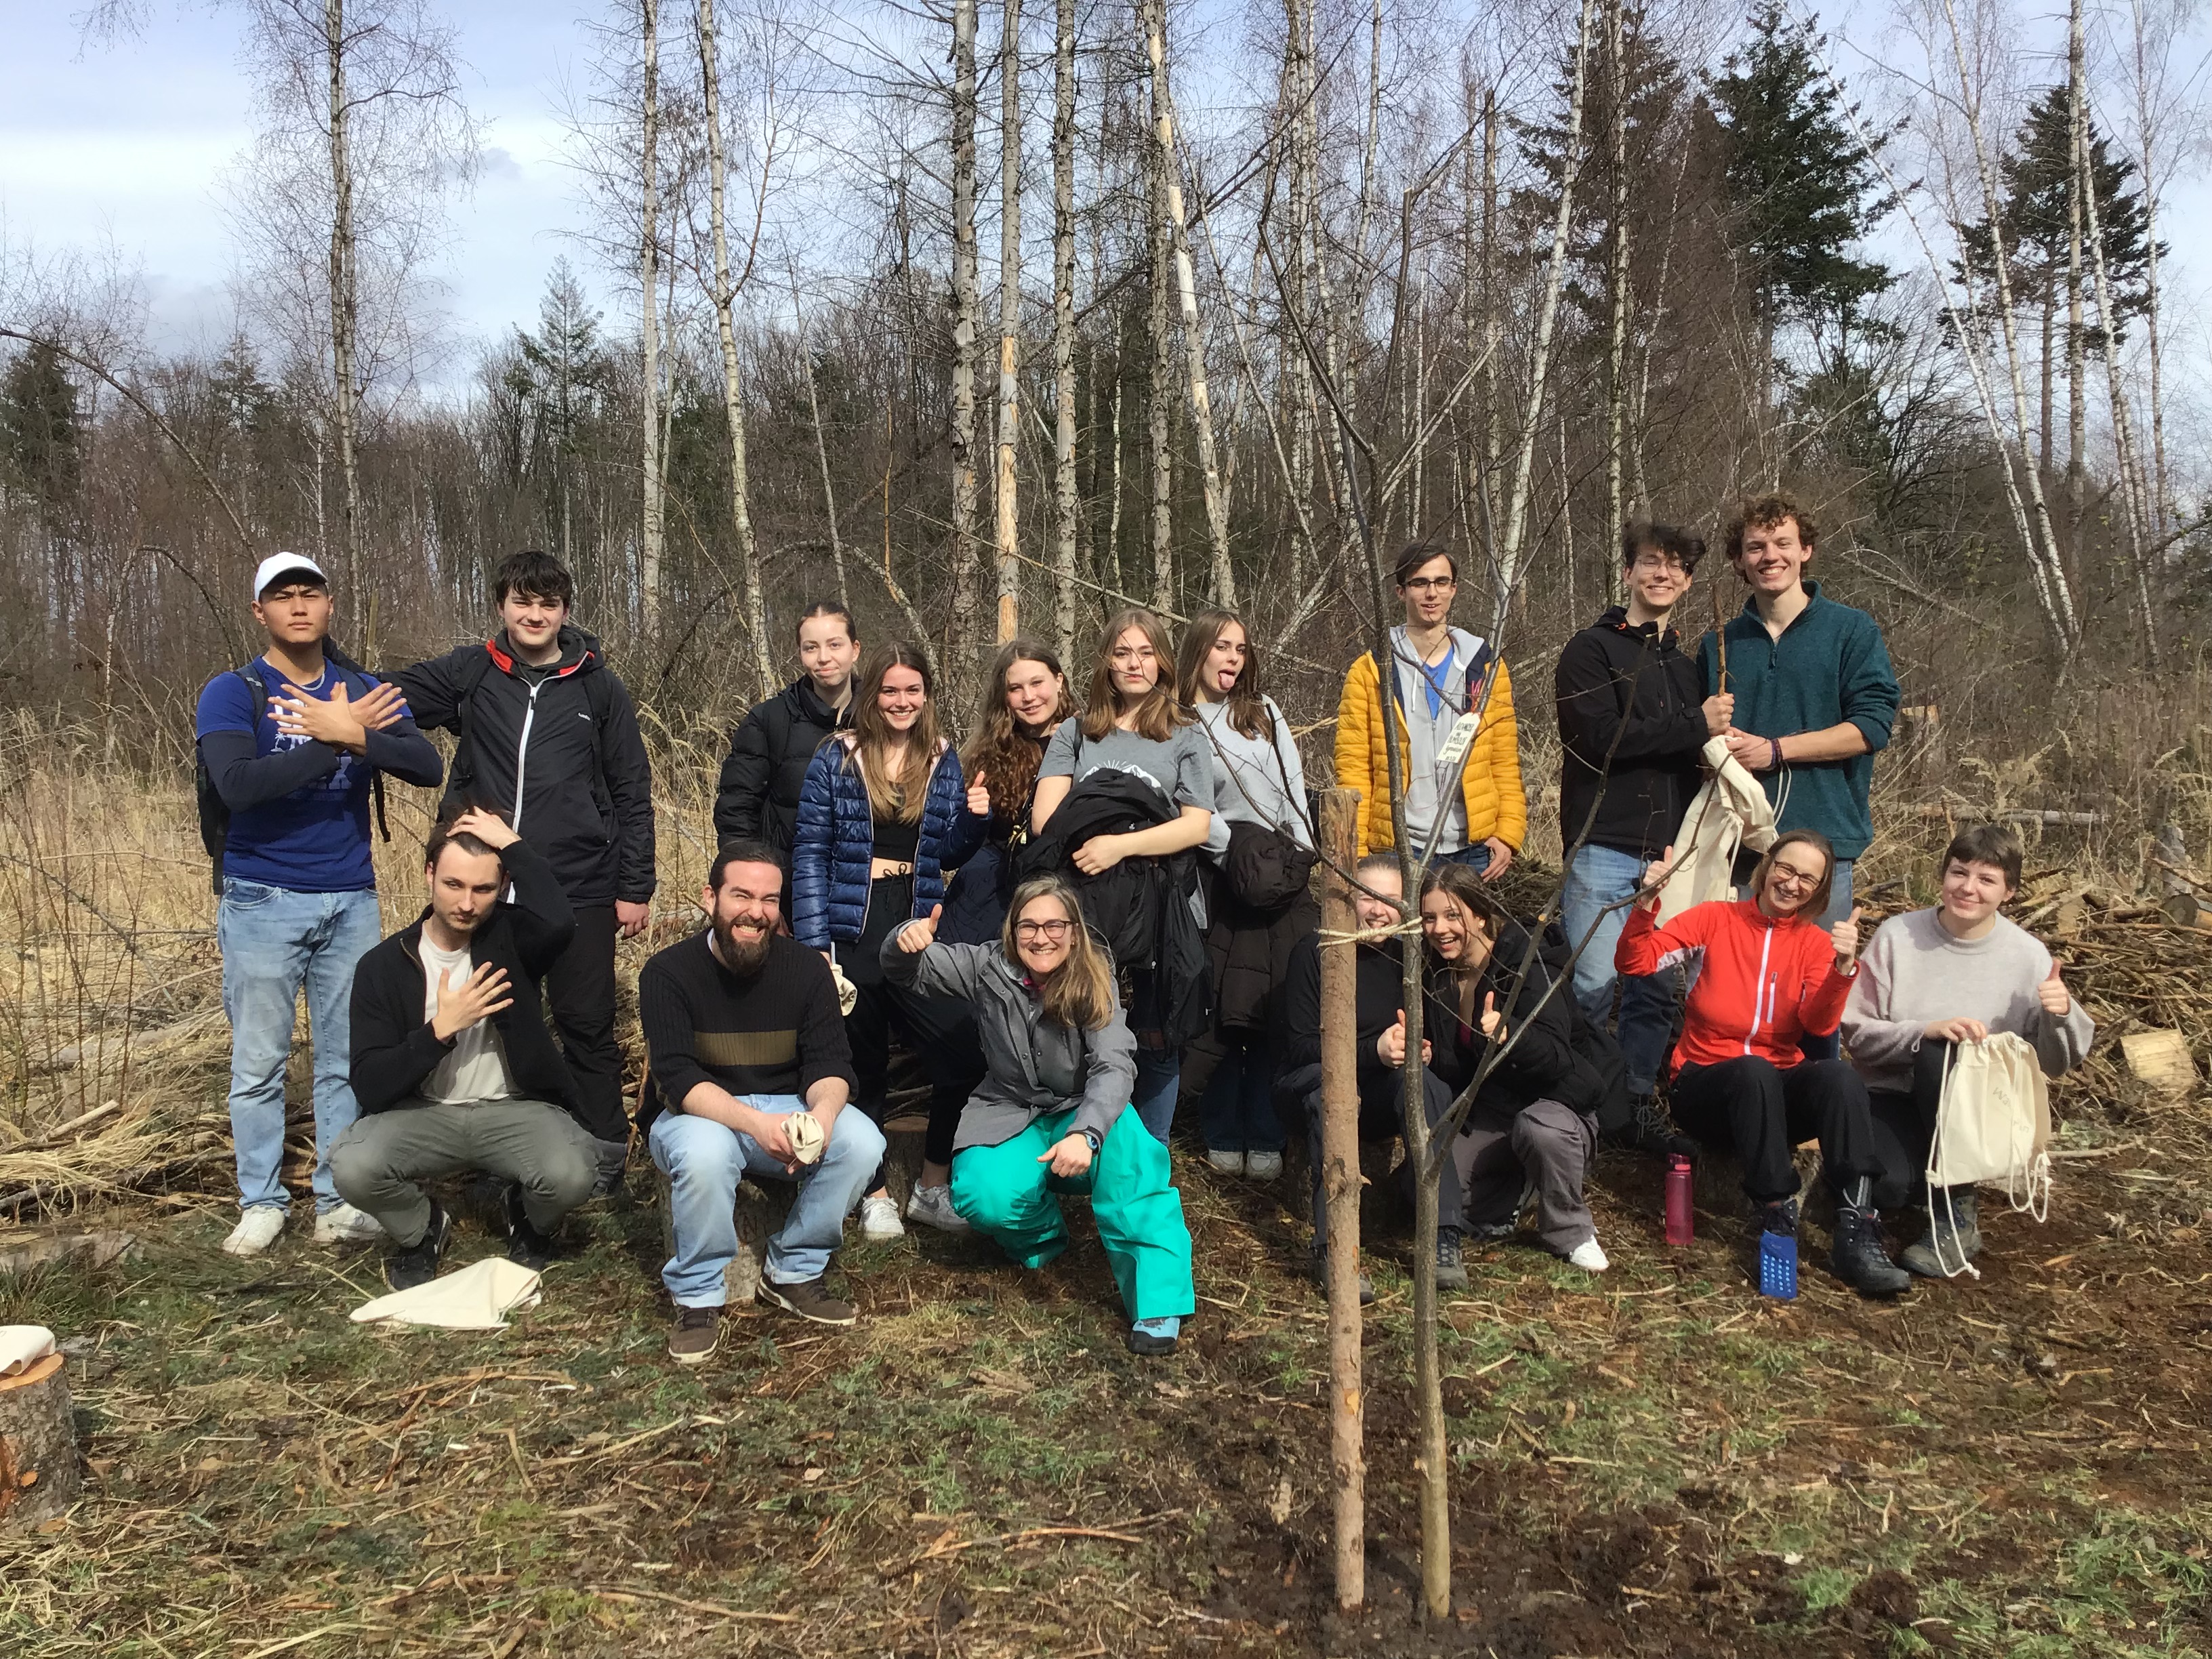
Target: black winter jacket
<point x="1142" y="907"/>
<point x="1541" y="1065"/>
<point x="1633" y="683"/>
<point x="394" y="1049"/>
<point x="770" y="752"/>
<point x="533" y="748"/>
<point x="1379" y="982"/>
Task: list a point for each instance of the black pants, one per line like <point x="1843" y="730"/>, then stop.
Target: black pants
<point x="941" y="1030"/>
<point x="580" y="1000"/>
<point x="1763" y="1112"/>
<point x="1905" y="1127"/>
<point x="1382" y="1112"/>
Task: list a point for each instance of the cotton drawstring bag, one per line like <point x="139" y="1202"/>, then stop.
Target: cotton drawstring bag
<point x="1730" y="811"/>
<point x="1992" y="1124"/>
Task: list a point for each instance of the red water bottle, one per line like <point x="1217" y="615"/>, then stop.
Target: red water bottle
<point x="1679" y="1182"/>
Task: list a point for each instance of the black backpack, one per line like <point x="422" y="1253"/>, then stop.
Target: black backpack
<point x="599" y="697"/>
<point x="214" y="817"/>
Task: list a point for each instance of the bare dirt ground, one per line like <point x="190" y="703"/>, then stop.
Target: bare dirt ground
<point x="1654" y="1462"/>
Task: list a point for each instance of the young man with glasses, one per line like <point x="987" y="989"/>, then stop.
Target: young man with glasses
<point x="1632" y="718"/>
<point x="1475" y="811"/>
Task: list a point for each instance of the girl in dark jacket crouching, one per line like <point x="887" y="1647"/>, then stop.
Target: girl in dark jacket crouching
<point x="883" y="814"/>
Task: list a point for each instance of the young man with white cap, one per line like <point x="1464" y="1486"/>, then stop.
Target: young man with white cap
<point x="288" y="747"/>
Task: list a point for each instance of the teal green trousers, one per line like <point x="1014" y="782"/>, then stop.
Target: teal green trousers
<point x="1006" y="1193"/>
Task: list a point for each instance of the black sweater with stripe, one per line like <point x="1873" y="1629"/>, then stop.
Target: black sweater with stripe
<point x="776" y="1032"/>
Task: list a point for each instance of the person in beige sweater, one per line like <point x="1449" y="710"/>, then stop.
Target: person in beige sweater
<point x="1956" y="973"/>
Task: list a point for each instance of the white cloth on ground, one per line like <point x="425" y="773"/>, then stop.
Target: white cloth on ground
<point x="478" y="1298"/>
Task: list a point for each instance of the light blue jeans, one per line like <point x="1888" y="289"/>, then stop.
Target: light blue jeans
<point x="1598" y="877"/>
<point x="704" y="1161"/>
<point x="1159" y="1081"/>
<point x="273" y="941"/>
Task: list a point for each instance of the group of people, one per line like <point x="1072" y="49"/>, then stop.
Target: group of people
<point x="1093" y="914"/>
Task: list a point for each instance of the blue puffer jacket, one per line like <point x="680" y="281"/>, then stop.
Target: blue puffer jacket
<point x="835" y="843"/>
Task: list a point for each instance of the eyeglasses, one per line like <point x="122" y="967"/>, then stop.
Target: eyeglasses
<point x="1793" y="877"/>
<point x="1431" y="584"/>
<point x="1054" y="931"/>
<point x="1656" y="563"/>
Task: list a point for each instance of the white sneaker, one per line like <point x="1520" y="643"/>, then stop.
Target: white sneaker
<point x="933" y="1207"/>
<point x="1589" y="1257"/>
<point x="1263" y="1166"/>
<point x="344" y="1224"/>
<point x="879" y="1220"/>
<point x="1227" y="1163"/>
<point x="256" y="1232"/>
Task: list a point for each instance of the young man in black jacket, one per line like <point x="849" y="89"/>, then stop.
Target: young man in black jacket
<point x="452" y="1062"/>
<point x="757" y="798"/>
<point x="549" y="735"/>
<point x="1632" y="718"/>
<point x="1380" y="1002"/>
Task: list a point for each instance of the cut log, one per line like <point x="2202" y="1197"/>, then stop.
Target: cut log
<point x="96" y="1249"/>
<point x="2159" y="1059"/>
<point x="39" y="1477"/>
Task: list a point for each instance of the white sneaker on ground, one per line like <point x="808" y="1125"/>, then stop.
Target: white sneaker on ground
<point x="1589" y="1257"/>
<point x="933" y="1207"/>
<point x="1263" y="1166"/>
<point x="256" y="1232"/>
<point x="879" y="1220"/>
<point x="1227" y="1163"/>
<point x="344" y="1224"/>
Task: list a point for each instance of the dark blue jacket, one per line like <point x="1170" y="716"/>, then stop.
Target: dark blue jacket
<point x="835" y="843"/>
<point x="1830" y="666"/>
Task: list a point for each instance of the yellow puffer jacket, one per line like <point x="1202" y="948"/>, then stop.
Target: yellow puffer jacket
<point x="1491" y="784"/>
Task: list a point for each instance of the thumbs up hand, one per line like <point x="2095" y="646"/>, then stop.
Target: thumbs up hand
<point x="1391" y="1045"/>
<point x="1845" y="934"/>
<point x="2051" y="993"/>
<point x="1655" y="878"/>
<point x="1493" y="1023"/>
<point x="979" y="795"/>
<point x="919" y="935"/>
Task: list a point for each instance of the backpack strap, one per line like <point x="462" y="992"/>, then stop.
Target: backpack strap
<point x="474" y="667"/>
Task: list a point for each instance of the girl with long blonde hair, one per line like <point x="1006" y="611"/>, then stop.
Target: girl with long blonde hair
<point x="1052" y="1114"/>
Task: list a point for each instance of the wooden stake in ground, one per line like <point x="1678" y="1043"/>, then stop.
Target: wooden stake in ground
<point x="1720" y="634"/>
<point x="1340" y="1154"/>
<point x="39" y="1473"/>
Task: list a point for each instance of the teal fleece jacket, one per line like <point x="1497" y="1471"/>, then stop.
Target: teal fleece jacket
<point x="1830" y="666"/>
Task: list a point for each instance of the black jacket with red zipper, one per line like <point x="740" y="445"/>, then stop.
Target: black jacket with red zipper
<point x="558" y="750"/>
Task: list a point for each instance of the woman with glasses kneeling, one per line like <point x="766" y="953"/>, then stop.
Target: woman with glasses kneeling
<point x="1769" y="977"/>
<point x="1052" y="1115"/>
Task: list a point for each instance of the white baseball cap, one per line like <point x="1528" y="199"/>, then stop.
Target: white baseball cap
<point x="284" y="564"/>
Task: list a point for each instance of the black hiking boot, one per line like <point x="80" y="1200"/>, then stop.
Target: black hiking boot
<point x="1317" y="1266"/>
<point x="1858" y="1258"/>
<point x="417" y="1263"/>
<point x="1778" y="1217"/>
<point x="1451" y="1272"/>
<point x="1953" y="1236"/>
<point x="525" y="1246"/>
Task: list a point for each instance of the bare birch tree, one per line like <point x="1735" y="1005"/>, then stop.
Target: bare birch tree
<point x="1065" y="507"/>
<point x="1004" y="497"/>
<point x="652" y="483"/>
<point x="966" y="305"/>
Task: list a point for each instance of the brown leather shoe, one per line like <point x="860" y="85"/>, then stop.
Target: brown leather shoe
<point x="695" y="1334"/>
<point x="810" y="1299"/>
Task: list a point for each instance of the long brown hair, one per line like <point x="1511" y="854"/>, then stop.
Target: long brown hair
<point x="1005" y="759"/>
<point x="1459" y="884"/>
<point x="897" y="796"/>
<point x="1079" y="993"/>
<point x="1248" y="713"/>
<point x="1812" y="908"/>
<point x="1159" y="714"/>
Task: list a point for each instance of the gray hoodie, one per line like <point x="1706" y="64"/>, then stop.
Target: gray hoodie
<point x="1034" y="1067"/>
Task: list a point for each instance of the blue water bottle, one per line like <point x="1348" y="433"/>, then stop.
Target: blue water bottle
<point x="1777" y="1265"/>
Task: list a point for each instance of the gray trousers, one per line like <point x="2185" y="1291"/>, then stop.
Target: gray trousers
<point x="379" y="1163"/>
<point x="1547" y="1145"/>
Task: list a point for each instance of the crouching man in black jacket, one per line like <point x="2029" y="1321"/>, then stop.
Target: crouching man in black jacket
<point x="1380" y="1001"/>
<point x="452" y="1062"/>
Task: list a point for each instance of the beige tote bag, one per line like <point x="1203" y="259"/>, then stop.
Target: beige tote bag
<point x="1728" y="811"/>
<point x="1993" y="1124"/>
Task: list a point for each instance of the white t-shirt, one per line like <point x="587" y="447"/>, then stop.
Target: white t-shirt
<point x="475" y="1068"/>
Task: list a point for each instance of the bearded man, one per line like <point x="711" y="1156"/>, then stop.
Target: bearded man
<point x="750" y="1075"/>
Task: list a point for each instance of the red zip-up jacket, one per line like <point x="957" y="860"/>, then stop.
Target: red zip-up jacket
<point x="1765" y="982"/>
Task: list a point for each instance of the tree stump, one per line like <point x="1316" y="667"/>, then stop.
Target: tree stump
<point x="39" y="1475"/>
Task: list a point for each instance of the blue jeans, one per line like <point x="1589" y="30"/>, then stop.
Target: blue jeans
<point x="1598" y="877"/>
<point x="704" y="1161"/>
<point x="273" y="940"/>
<point x="1159" y="1079"/>
<point x="1476" y="858"/>
<point x="1831" y="1047"/>
<point x="1237" y="1110"/>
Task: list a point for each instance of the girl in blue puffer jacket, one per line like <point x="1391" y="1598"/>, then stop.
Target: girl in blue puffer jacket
<point x="883" y="815"/>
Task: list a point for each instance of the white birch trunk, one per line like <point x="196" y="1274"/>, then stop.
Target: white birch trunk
<point x="1063" y="326"/>
<point x="1163" y="363"/>
<point x="1616" y="381"/>
<point x="344" y="314"/>
<point x="650" y="522"/>
<point x="1005" y="499"/>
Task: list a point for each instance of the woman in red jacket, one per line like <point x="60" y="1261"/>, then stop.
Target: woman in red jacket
<point x="1769" y="977"/>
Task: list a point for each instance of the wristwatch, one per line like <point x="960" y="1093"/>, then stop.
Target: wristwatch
<point x="1096" y="1139"/>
